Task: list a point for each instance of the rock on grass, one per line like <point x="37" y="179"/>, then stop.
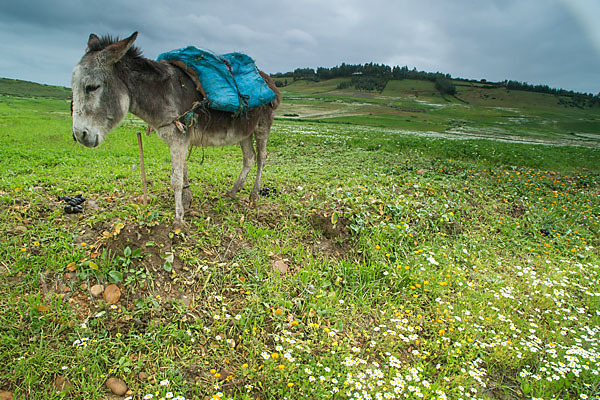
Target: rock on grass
<point x="280" y="267"/>
<point x="97" y="290"/>
<point x="117" y="386"/>
<point x="6" y="395"/>
<point x="112" y="294"/>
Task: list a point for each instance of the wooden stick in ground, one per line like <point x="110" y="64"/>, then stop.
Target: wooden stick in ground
<point x="142" y="169"/>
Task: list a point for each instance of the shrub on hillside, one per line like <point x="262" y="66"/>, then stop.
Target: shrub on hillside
<point x="445" y="86"/>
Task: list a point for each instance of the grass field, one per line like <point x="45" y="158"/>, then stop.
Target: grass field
<point x="478" y="110"/>
<point x="386" y="263"/>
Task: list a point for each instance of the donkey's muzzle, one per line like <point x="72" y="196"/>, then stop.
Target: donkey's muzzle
<point x="85" y="138"/>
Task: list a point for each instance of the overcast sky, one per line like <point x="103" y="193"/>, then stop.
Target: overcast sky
<point x="554" y="42"/>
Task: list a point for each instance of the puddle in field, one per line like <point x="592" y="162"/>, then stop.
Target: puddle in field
<point x="426" y="103"/>
<point x="514" y="110"/>
<point x="458" y="133"/>
<point x="337" y="132"/>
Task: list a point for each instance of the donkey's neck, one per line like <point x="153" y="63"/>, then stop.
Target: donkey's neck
<point x="158" y="92"/>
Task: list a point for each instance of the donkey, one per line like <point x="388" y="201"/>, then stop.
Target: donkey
<point x="113" y="78"/>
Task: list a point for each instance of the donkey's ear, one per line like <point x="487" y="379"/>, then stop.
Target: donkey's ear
<point x="93" y="42"/>
<point x="116" y="51"/>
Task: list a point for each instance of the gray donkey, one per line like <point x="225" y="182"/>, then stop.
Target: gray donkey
<point x="113" y="78"/>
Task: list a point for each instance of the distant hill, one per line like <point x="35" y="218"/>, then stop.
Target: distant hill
<point x="372" y="76"/>
<point x="477" y="109"/>
<point x="19" y="88"/>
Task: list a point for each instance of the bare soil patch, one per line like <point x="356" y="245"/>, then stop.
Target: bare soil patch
<point x="335" y="237"/>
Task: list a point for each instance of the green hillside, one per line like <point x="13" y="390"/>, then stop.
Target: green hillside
<point x="477" y="109"/>
<point x="19" y="88"/>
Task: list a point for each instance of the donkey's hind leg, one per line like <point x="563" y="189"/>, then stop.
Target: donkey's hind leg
<point x="261" y="134"/>
<point x="249" y="157"/>
<point x="261" y="148"/>
<point x="186" y="194"/>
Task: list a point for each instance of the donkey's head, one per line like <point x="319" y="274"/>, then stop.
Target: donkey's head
<point x="100" y="98"/>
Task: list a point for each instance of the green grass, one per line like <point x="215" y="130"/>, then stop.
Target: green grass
<point x="417" y="264"/>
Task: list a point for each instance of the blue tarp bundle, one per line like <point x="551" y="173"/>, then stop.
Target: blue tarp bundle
<point x="231" y="82"/>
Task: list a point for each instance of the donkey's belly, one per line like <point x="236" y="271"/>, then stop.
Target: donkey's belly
<point x="223" y="137"/>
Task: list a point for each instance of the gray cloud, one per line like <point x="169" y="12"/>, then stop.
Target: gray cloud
<point x="552" y="42"/>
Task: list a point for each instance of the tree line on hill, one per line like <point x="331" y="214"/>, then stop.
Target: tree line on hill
<point x="374" y="77"/>
<point x="577" y="99"/>
<point x="369" y="76"/>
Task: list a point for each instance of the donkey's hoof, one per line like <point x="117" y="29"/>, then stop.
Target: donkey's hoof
<point x="180" y="224"/>
<point x="253" y="199"/>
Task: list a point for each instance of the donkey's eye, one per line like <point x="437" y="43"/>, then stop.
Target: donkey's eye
<point x="91" y="88"/>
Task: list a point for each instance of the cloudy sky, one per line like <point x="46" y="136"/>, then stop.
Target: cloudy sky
<point x="554" y="42"/>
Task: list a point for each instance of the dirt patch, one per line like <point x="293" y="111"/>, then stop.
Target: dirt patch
<point x="517" y="210"/>
<point x="330" y="227"/>
<point x="335" y="239"/>
<point x="153" y="262"/>
<point x="194" y="372"/>
<point x="230" y="246"/>
<point x="81" y="304"/>
<point x="155" y="242"/>
<point x="452" y="228"/>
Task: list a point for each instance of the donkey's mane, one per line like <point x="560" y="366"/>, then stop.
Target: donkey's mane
<point x="107" y="40"/>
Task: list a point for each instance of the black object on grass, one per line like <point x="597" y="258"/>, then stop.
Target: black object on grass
<point x="268" y="192"/>
<point x="73" y="203"/>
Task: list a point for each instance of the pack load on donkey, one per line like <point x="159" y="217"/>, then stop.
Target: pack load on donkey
<point x="229" y="82"/>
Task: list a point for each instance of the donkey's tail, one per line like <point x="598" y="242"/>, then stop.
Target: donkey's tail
<point x="271" y="83"/>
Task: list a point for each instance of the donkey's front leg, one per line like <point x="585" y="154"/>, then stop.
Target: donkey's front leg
<point x="178" y="153"/>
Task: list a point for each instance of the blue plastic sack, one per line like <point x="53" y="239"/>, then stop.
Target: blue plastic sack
<point x="231" y="81"/>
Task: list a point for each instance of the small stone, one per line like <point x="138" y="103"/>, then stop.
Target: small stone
<point x="97" y="290"/>
<point x="83" y="286"/>
<point x="280" y="266"/>
<point x="61" y="384"/>
<point x="142" y="376"/>
<point x="19" y="230"/>
<point x="112" y="294"/>
<point x="117" y="386"/>
<point x="6" y="396"/>
<point x="68" y="276"/>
